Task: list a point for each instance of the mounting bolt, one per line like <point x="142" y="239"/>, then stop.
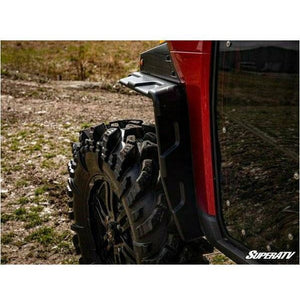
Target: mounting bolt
<point x="228" y="44"/>
<point x="290" y="236"/>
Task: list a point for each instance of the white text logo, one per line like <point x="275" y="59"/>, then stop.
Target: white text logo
<point x="269" y="255"/>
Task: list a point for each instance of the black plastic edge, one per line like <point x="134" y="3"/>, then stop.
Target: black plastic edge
<point x="158" y="62"/>
<point x="174" y="145"/>
<point x="214" y="235"/>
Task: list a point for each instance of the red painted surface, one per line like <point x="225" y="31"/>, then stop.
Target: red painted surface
<point x="192" y="61"/>
<point x="190" y="46"/>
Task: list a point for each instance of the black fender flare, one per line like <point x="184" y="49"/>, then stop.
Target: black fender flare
<point x="174" y="145"/>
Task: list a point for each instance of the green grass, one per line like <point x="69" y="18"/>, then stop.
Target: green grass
<point x="30" y="216"/>
<point x="49" y="155"/>
<point x="66" y="126"/>
<point x="33" y="148"/>
<point x="23" y="133"/>
<point x="219" y="259"/>
<point x="15" y="144"/>
<point x="7" y="238"/>
<point x="41" y="190"/>
<point x="4" y="260"/>
<point x="85" y="125"/>
<point x="6" y="217"/>
<point x="23" y="200"/>
<point x="20" y="213"/>
<point x="72" y="60"/>
<point x="34" y="219"/>
<point x="48" y="164"/>
<point x="43" y="235"/>
<point x="47" y="236"/>
<point x="70" y="261"/>
<point x="37" y="199"/>
<point x="37" y="208"/>
<point x="15" y="168"/>
<point x="21" y="183"/>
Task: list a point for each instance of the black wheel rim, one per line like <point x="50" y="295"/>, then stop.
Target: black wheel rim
<point x="110" y="226"/>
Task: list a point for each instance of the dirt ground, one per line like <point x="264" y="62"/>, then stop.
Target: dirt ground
<point x="39" y="122"/>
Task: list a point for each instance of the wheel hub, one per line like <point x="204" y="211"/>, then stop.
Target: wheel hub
<point x="113" y="233"/>
<point x="110" y="226"/>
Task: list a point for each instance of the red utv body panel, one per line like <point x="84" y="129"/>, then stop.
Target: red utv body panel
<point x="192" y="60"/>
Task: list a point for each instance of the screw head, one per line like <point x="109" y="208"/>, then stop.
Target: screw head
<point x="243" y="232"/>
<point x="228" y="44"/>
<point x="268" y="247"/>
<point x="296" y="176"/>
<point x="290" y="236"/>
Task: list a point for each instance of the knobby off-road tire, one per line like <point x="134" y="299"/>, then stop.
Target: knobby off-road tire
<point x="117" y="201"/>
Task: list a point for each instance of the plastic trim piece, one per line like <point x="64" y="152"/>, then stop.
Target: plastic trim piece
<point x="158" y="62"/>
<point x="174" y="145"/>
<point x="211" y="229"/>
